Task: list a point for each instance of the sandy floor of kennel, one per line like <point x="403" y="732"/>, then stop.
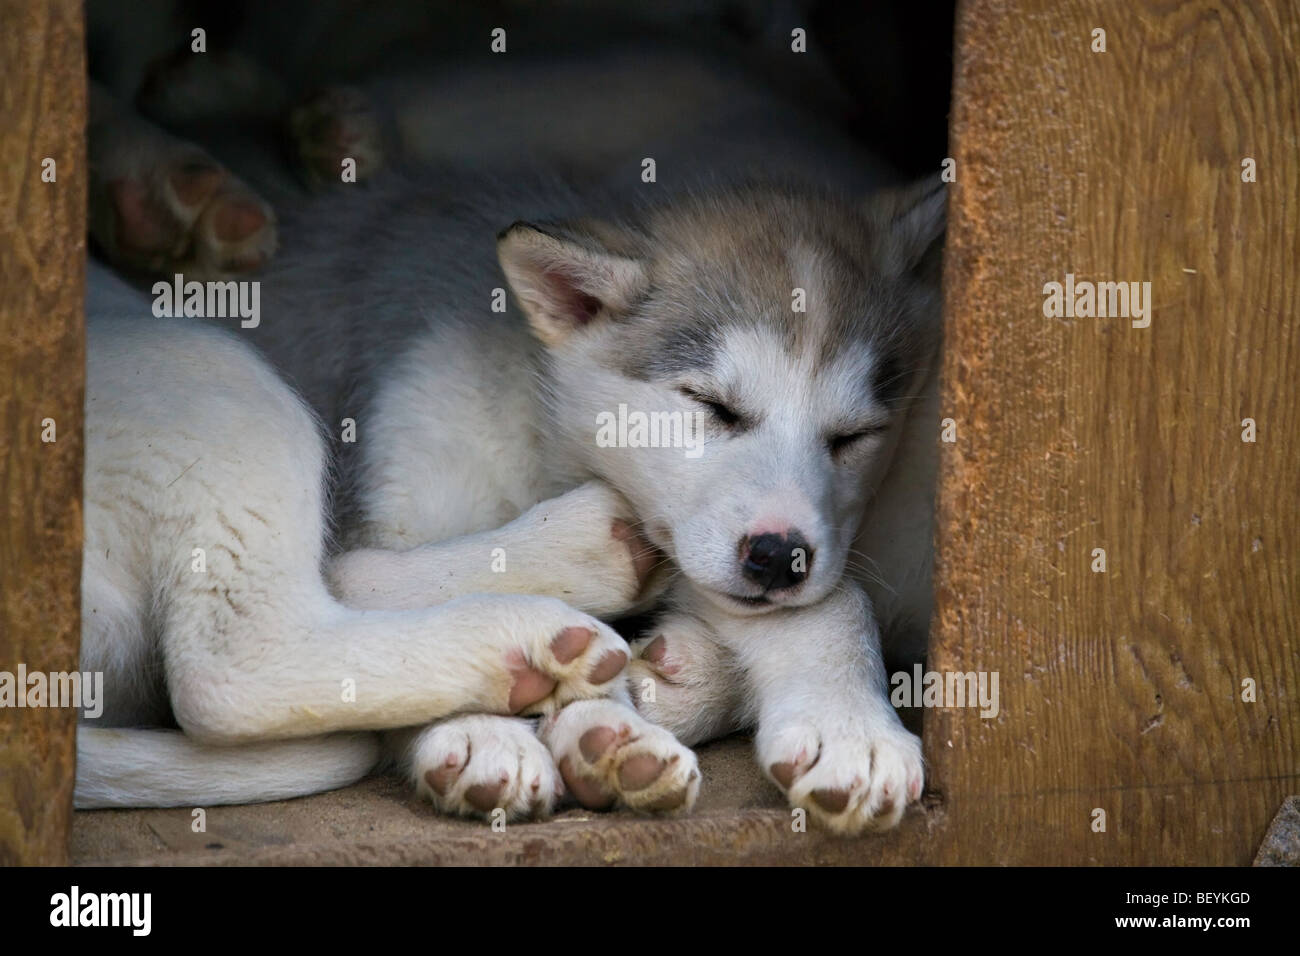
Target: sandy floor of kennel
<point x="1122" y="691"/>
<point x="740" y="818"/>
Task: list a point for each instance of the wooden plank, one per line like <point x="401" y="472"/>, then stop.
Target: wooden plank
<point x="1121" y="690"/>
<point x="741" y="820"/>
<point x="42" y="278"/>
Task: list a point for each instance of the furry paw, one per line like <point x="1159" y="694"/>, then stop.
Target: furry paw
<point x="585" y="547"/>
<point x="608" y="755"/>
<point x="850" y="777"/>
<point x="470" y="766"/>
<point x="682" y="679"/>
<point x="160" y="205"/>
<point x="581" y="547"/>
<point x="532" y="655"/>
<point x="330" y="126"/>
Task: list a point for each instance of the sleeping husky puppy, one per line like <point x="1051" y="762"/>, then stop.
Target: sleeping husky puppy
<point x="489" y="520"/>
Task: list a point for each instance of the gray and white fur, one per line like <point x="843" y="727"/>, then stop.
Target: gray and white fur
<point x="406" y="581"/>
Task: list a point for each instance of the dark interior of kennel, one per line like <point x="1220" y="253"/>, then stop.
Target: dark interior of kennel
<point x="1122" y="691"/>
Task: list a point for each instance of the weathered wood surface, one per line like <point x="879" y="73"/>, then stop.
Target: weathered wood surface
<point x="42" y="278"/>
<point x="740" y="820"/>
<point x="1122" y="691"/>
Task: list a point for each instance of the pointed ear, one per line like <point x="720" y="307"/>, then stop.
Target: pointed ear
<point x="911" y="221"/>
<point x="564" y="284"/>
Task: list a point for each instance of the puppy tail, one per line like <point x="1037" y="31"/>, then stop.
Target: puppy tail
<point x="125" y="767"/>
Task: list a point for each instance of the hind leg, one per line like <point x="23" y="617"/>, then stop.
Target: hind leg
<point x="205" y="455"/>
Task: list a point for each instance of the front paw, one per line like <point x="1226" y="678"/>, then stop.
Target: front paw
<point x="473" y="765"/>
<point x="588" y="546"/>
<point x="608" y="755"/>
<point x="682" y="679"/>
<point x="527" y="655"/>
<point x="851" y="777"/>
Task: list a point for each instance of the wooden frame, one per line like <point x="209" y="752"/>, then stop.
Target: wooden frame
<point x="42" y="376"/>
<point x="1121" y="690"/>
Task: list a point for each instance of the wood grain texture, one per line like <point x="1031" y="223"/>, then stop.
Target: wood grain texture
<point x="42" y="277"/>
<point x="740" y="820"/>
<point x="1121" y="690"/>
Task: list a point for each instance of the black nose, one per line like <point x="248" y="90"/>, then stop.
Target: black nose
<point x="776" y="561"/>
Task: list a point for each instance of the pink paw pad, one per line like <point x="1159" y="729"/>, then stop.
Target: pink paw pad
<point x="587" y="792"/>
<point x="485" y="797"/>
<point x="608" y="667"/>
<point x="528" y="684"/>
<point x="640" y="771"/>
<point x="441" y="778"/>
<point x="571" y="642"/>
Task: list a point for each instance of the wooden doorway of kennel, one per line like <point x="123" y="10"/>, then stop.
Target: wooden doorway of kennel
<point x="1118" y="525"/>
<point x="42" y="379"/>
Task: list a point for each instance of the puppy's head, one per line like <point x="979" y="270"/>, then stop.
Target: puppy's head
<point x="739" y="365"/>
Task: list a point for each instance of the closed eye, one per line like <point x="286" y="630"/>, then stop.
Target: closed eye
<point x="842" y="443"/>
<point x="725" y="415"/>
